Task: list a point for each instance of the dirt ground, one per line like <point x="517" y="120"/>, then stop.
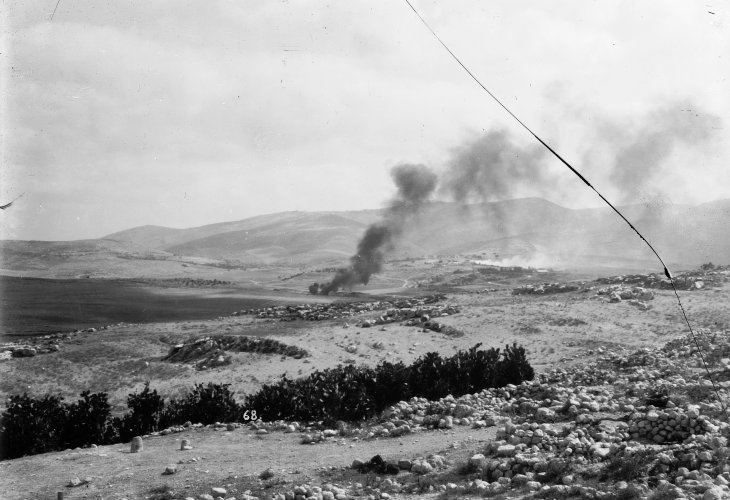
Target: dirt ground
<point x="225" y="459"/>
<point x="554" y="329"/>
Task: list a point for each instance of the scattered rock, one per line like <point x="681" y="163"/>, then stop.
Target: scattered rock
<point x="421" y="467"/>
<point x="379" y="466"/>
<point x="136" y="445"/>
<point x="76" y="481"/>
<point x="24" y="352"/>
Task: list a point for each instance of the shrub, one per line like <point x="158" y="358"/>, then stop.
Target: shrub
<point x="87" y="420"/>
<point x="146" y="413"/>
<point x="204" y="404"/>
<point x="513" y="368"/>
<point x="658" y="397"/>
<point x="354" y="393"/>
<point x="391" y="383"/>
<point x="346" y="393"/>
<point x="557" y="469"/>
<point x="29" y="426"/>
<point x="698" y="393"/>
<point x="629" y="466"/>
<point x="425" y="376"/>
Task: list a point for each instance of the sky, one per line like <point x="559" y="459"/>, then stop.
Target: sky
<point x="184" y="113"/>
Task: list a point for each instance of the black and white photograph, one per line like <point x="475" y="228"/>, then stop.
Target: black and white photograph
<point x="364" y="250"/>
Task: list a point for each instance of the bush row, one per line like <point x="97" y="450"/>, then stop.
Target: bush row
<point x="37" y="425"/>
<point x="358" y="392"/>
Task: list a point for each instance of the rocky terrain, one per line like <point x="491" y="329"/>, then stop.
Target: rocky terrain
<point x="336" y="310"/>
<point x="622" y="406"/>
<point x="629" y="424"/>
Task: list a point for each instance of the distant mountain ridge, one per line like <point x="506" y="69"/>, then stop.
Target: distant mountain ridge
<point x="528" y="230"/>
<point x="522" y="227"/>
<point x="300" y="236"/>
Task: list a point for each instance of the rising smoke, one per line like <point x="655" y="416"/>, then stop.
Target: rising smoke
<point x="640" y="157"/>
<point x="415" y="184"/>
<point x="494" y="166"/>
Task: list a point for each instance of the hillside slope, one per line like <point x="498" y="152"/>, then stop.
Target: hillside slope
<point x="514" y="231"/>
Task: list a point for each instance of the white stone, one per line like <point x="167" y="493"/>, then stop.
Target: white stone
<point x="714" y="493"/>
<point x="477" y="461"/>
<point x="506" y="450"/>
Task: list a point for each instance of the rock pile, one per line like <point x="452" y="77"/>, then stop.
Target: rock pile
<point x="187" y="283"/>
<point x="674" y="452"/>
<point x="417" y="316"/>
<point x="40" y="345"/>
<point x="336" y="310"/>
<point x="210" y="352"/>
<point x="376" y="465"/>
<point x="634" y="286"/>
<point x="205" y="353"/>
<point x="305" y="491"/>
<point x="43" y="344"/>
<point x="690" y="280"/>
<point x="636" y="296"/>
<point x="546" y="289"/>
<point x="617" y="293"/>
<point x="674" y="425"/>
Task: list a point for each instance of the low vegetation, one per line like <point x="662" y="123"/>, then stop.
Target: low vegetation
<point x="30" y="426"/>
<point x="355" y="393"/>
<point x="37" y="425"/>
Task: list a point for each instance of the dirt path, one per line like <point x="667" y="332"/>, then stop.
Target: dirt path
<point x="224" y="456"/>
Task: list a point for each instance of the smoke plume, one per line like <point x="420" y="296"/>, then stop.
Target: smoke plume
<point x="492" y="166"/>
<point x="415" y="185"/>
<point x="641" y="156"/>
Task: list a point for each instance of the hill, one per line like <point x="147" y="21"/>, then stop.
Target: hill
<point x="524" y="231"/>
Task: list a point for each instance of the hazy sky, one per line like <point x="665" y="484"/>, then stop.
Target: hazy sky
<point x="182" y="113"/>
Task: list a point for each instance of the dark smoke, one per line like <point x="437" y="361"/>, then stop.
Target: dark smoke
<point x="415" y="185"/>
<point x="367" y="261"/>
<point x="492" y="166"/>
